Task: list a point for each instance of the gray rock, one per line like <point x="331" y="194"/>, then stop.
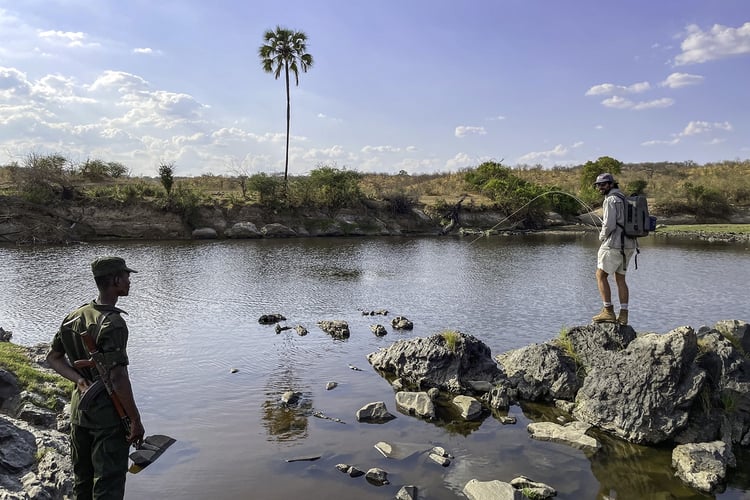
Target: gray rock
<point x="491" y="490"/>
<point x="507" y="420"/>
<point x="243" y="230"/>
<point x="377" y="476"/>
<point x="440" y="451"/>
<point x="301" y="330"/>
<point x="374" y="413"/>
<point x="703" y="465"/>
<point x="434" y="393"/>
<point x="5" y="335"/>
<point x="40" y="417"/>
<point x="277" y="231"/>
<point x="19" y="447"/>
<point x="270" y="319"/>
<point x="416" y="403"/>
<point x="428" y="362"/>
<point x="737" y="331"/>
<point x="469" y="407"/>
<point x="498" y="398"/>
<point x="397" y="384"/>
<point x="337" y="329"/>
<point x="331" y="385"/>
<point x="479" y="386"/>
<point x="534" y="489"/>
<point x="439" y="459"/>
<point x="378" y="330"/>
<point x="567" y="406"/>
<point x="644" y="394"/>
<point x="8" y="386"/>
<point x="291" y="398"/>
<point x="408" y="492"/>
<point x="402" y="323"/>
<point x="204" y="233"/>
<point x="572" y="434"/>
<point x="541" y="372"/>
<point x="399" y="451"/>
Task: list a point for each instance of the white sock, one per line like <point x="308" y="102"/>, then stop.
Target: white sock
<point x="607" y="304"/>
<point x="623" y="307"/>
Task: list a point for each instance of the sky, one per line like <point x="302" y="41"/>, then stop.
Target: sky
<point x="423" y="86"/>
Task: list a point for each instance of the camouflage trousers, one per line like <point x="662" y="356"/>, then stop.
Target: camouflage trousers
<point x="100" y="462"/>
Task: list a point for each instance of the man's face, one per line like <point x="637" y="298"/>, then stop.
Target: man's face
<point x="122" y="282"/>
<point x="604" y="187"/>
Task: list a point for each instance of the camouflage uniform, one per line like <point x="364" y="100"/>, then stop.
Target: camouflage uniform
<point x="99" y="448"/>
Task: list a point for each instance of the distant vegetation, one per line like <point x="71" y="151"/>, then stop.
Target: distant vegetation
<point x="711" y="191"/>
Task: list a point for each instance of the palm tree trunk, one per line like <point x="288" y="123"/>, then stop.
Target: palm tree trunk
<point x="288" y="117"/>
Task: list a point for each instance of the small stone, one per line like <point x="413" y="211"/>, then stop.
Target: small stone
<point x="439" y="450"/>
<point x="507" y="420"/>
<point x="407" y="493"/>
<point x="354" y="472"/>
<point x="290" y="397"/>
<point x="343" y="467"/>
<point x="439" y="459"/>
<point x="301" y="330"/>
<point x="331" y="385"/>
<point x="233" y="370"/>
<point x="377" y="476"/>
<point x="352" y="367"/>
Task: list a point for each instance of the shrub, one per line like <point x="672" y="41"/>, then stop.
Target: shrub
<point x="267" y="187"/>
<point x="166" y="176"/>
<point x="334" y="188"/>
<point x="636" y="187"/>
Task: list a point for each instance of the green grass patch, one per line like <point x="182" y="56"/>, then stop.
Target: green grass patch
<point x="451" y="339"/>
<point x="13" y="358"/>
<point x="707" y="228"/>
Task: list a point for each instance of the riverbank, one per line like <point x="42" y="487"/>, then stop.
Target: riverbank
<point x="22" y="222"/>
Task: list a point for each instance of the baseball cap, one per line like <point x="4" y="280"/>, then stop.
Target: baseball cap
<point x="109" y="265"/>
<point x="601" y="178"/>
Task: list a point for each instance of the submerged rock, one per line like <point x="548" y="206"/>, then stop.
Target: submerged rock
<point x="270" y="319"/>
<point x="572" y="434"/>
<point x="337" y="329"/>
<point x="416" y="403"/>
<point x="402" y="323"/>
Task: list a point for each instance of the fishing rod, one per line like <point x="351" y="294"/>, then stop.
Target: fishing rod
<point x="588" y="208"/>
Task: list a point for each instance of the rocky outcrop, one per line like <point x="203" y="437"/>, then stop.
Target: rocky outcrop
<point x="644" y="394"/>
<point x="703" y="465"/>
<point x="541" y="372"/>
<point x="423" y="363"/>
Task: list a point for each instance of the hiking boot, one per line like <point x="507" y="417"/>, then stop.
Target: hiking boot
<point x="606" y="316"/>
<point x="622" y="318"/>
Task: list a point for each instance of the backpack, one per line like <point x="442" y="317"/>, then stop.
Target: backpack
<point x="638" y="222"/>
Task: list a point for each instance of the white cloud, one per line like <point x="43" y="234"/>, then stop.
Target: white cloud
<point x="75" y="39"/>
<point x="664" y="102"/>
<point x="496" y="118"/>
<point x="381" y="149"/>
<point x="677" y="80"/>
<point x="558" y="151"/>
<point x="334" y="152"/>
<point x="13" y="82"/>
<point x="719" y="42"/>
<point x="702" y="127"/>
<point x="599" y="127"/>
<point x="463" y="131"/>
<point x="119" y="81"/>
<point x="622" y="103"/>
<point x="610" y="88"/>
<point x="695" y="127"/>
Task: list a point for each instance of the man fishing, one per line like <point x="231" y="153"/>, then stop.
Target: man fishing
<point x="99" y="440"/>
<point x="615" y="252"/>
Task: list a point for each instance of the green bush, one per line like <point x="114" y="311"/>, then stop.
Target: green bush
<point x="637" y="186"/>
<point x="268" y="188"/>
<point x="334" y="188"/>
<point x="166" y="176"/>
<point x="706" y="202"/>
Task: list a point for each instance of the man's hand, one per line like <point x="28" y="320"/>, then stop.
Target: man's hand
<point x="83" y="385"/>
<point x="136" y="433"/>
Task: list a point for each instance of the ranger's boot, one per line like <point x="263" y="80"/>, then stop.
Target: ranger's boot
<point x="622" y="318"/>
<point x="606" y="316"/>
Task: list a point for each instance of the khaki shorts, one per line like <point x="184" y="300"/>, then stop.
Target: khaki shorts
<point x="610" y="260"/>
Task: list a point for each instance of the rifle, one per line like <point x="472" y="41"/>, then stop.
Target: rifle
<point x="152" y="446"/>
<point x="96" y="360"/>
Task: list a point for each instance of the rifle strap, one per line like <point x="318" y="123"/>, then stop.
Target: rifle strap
<point x="99" y="323"/>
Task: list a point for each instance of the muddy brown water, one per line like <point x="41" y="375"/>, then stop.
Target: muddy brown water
<point x="193" y="313"/>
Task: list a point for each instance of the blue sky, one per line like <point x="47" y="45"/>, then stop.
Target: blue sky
<point x="417" y="85"/>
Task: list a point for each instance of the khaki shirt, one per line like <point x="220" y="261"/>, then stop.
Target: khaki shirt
<point x="111" y="340"/>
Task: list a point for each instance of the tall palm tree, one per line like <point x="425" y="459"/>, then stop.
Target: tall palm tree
<point x="284" y="49"/>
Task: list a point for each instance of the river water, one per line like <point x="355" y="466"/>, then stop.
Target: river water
<point x="193" y="317"/>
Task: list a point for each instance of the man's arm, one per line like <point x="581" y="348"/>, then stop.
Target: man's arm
<point x="121" y="385"/>
<point x="58" y="363"/>
<point x="609" y="219"/>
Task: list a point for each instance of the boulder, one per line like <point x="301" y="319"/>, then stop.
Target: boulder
<point x="703" y="465"/>
<point x="644" y="393"/>
<point x="204" y="233"/>
<point x="243" y="230"/>
<point x="573" y="434"/>
<point x="374" y="413"/>
<point x="337" y="329"/>
<point x="402" y="323"/>
<point x="736" y="331"/>
<point x="491" y="490"/>
<point x="277" y="231"/>
<point x="430" y="362"/>
<point x="416" y="403"/>
<point x="541" y="372"/>
<point x="270" y="319"/>
<point x="377" y="476"/>
<point x="8" y="386"/>
<point x="469" y="407"/>
<point x="378" y="330"/>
